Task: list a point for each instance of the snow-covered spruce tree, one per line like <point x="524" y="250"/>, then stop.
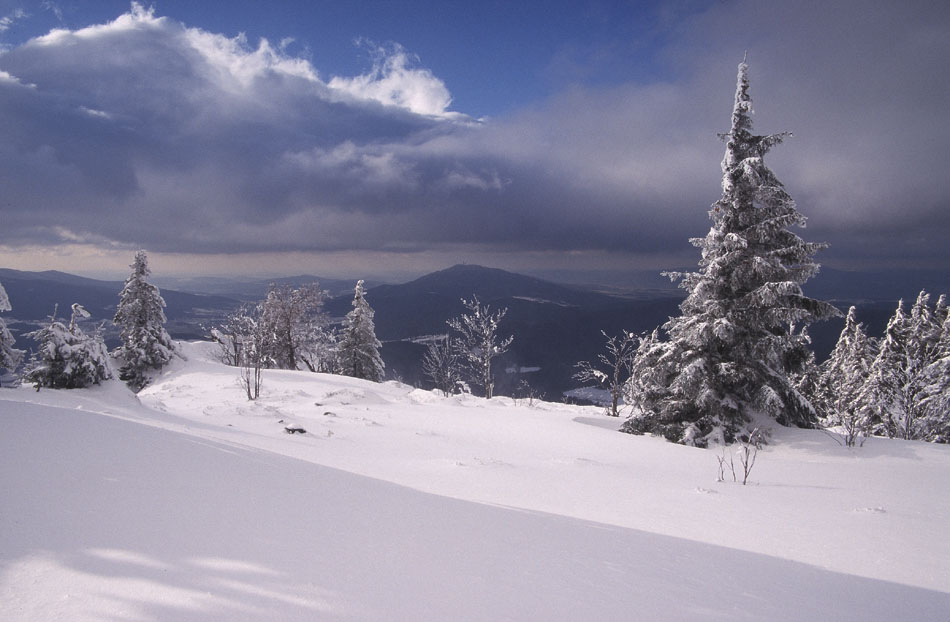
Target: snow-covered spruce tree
<point x="10" y="357"/>
<point x="141" y="319"/>
<point x="843" y="375"/>
<point x="806" y="378"/>
<point x="67" y="357"/>
<point x="612" y="370"/>
<point x="729" y="354"/>
<point x="479" y="343"/>
<point x="940" y="314"/>
<point x="935" y="394"/>
<point x="358" y="351"/>
<point x="884" y="398"/>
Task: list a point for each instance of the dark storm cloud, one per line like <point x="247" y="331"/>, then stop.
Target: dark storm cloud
<point x="145" y="132"/>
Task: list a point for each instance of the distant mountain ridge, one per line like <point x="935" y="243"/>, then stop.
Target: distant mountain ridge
<point x="466" y="280"/>
<point x="255" y="288"/>
<point x="555" y="325"/>
<point x="35" y="295"/>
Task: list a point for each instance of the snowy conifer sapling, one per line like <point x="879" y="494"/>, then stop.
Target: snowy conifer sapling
<point x="141" y="318"/>
<point x="729" y="354"/>
<point x="359" y="348"/>
<point x="68" y="358"/>
<point x="9" y="356"/>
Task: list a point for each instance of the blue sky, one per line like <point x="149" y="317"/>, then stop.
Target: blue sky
<point x="385" y="139"/>
<point x="496" y="56"/>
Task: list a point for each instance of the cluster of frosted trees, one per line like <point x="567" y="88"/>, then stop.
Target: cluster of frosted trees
<point x="897" y="386"/>
<point x="69" y="358"/>
<point x="290" y="330"/>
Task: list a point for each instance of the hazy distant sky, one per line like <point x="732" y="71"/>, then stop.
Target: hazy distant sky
<point x="390" y="138"/>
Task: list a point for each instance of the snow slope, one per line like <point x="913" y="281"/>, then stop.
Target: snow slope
<point x="399" y="504"/>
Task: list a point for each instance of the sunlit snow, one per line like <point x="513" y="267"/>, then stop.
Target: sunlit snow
<point x="188" y="502"/>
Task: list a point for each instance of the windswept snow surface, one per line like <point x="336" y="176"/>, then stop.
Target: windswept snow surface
<point x="399" y="504"/>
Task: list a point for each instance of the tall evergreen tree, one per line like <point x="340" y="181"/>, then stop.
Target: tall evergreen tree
<point x="730" y="353"/>
<point x="359" y="348"/>
<point x="10" y="357"/>
<point x="141" y="318"/>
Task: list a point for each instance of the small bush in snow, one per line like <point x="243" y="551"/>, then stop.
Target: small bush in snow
<point x="746" y="449"/>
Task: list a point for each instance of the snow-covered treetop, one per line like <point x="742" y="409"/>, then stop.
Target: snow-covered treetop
<point x="741" y="144"/>
<point x="4" y="300"/>
<point x="358" y="292"/>
<point x="140" y="264"/>
<point x="851" y="319"/>
<point x="80" y="311"/>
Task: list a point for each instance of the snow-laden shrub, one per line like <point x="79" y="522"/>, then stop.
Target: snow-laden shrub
<point x="67" y="357"/>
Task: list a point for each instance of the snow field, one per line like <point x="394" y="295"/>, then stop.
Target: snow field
<point x="441" y="508"/>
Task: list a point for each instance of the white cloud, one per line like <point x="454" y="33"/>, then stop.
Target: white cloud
<point x="100" y="114"/>
<point x="393" y="81"/>
<point x="205" y="143"/>
<point x="11" y="18"/>
<point x="53" y="8"/>
<point x="376" y="165"/>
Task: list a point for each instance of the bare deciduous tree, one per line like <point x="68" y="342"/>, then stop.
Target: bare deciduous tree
<point x="479" y="343"/>
<point x="612" y="370"/>
<point x="294" y="321"/>
<point x="442" y="365"/>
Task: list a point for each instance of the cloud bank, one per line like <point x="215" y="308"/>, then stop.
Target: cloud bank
<point x="144" y="132"/>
